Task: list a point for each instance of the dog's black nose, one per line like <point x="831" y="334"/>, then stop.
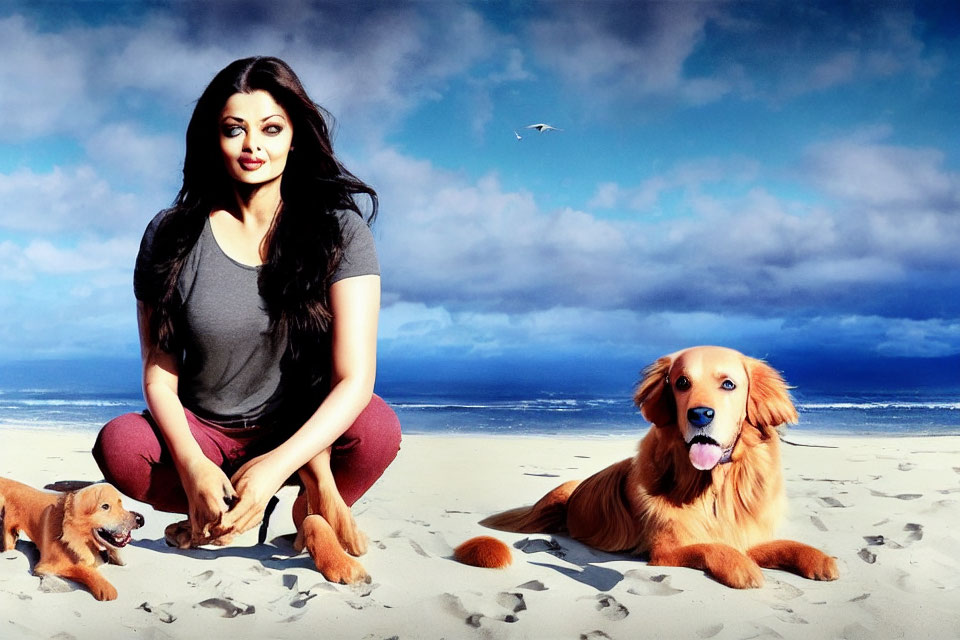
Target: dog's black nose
<point x="138" y="518"/>
<point x="700" y="416"/>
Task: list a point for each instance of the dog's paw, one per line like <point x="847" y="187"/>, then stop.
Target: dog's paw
<point x="736" y="570"/>
<point x="179" y="535"/>
<point x="745" y="576"/>
<point x="340" y="568"/>
<point x="818" y="566"/>
<point x="322" y="544"/>
<point x="104" y="591"/>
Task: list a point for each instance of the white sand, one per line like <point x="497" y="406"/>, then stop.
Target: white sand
<point x="906" y="490"/>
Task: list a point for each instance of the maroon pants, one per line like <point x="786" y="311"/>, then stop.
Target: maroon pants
<point x="134" y="458"/>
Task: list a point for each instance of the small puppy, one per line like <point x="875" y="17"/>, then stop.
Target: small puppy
<point x="72" y="530"/>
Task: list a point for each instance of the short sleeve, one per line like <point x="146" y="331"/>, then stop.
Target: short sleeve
<point x="142" y="270"/>
<point x="359" y="251"/>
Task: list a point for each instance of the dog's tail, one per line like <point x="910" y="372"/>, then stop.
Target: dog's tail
<point x="548" y="515"/>
<point x="485" y="552"/>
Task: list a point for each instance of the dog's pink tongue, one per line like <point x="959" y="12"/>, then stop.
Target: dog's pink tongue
<point x="705" y="456"/>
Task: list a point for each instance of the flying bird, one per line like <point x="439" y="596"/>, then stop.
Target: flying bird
<point x="541" y="127"/>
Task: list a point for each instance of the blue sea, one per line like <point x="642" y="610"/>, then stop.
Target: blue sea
<point x="533" y="411"/>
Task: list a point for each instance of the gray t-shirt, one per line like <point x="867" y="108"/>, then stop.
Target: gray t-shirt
<point x="230" y="365"/>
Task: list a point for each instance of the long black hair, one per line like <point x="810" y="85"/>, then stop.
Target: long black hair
<point x="304" y="244"/>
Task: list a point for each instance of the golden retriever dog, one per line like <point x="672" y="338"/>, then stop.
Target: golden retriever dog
<point x="75" y="532"/>
<point x="704" y="490"/>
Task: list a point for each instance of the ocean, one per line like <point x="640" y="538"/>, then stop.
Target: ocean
<point x="532" y="412"/>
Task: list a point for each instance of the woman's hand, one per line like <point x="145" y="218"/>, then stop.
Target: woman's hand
<point x="255" y="482"/>
<point x="209" y="496"/>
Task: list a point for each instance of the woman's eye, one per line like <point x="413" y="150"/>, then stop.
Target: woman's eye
<point x="682" y="383"/>
<point x="273" y="129"/>
<point x="728" y="385"/>
<point x="232" y="131"/>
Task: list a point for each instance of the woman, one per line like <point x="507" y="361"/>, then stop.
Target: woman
<point x="257" y="301"/>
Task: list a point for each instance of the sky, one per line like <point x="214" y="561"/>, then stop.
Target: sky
<point x="778" y="177"/>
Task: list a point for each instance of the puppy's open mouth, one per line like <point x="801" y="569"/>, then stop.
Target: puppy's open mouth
<point x="114" y="539"/>
<point x="705" y="452"/>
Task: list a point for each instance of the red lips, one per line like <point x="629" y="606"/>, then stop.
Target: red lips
<point x="250" y="163"/>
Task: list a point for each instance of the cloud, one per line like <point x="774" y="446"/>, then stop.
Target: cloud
<point x="449" y="241"/>
<point x="72" y="199"/>
<point x="894" y="201"/>
<point x="42" y="257"/>
<point x="696" y="53"/>
<point x="631" y="51"/>
<point x="688" y="177"/>
<point x="640" y="335"/>
<point x="883" y="175"/>
<point x="151" y="161"/>
<point x="373" y="63"/>
<point x="45" y="82"/>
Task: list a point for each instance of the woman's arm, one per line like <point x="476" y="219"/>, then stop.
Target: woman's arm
<point x="355" y="303"/>
<point x="207" y="488"/>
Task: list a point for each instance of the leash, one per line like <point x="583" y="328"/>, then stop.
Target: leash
<point x="800" y="444"/>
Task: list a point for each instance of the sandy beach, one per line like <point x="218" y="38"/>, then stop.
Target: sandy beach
<point x="887" y="508"/>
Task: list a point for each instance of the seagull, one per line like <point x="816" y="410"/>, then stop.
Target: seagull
<point x="519" y="137"/>
<point x="541" y="127"/>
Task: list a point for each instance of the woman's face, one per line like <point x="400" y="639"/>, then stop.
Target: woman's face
<point x="255" y="137"/>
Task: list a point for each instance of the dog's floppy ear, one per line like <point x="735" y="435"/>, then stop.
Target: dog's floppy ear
<point x="654" y="396"/>
<point x="768" y="402"/>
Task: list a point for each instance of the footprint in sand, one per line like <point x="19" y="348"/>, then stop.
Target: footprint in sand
<point x="227" y="607"/>
<point x="54" y="584"/>
<point x="323" y="586"/>
<point x="533" y="585"/>
<point x="916" y="532"/>
<point x="818" y="523"/>
<point x="830" y="501"/>
<point x="899" y="496"/>
<point x="609" y="608"/>
<point x="867" y="556"/>
<point x="416" y="547"/>
<point x="301" y="599"/>
<point x="786" y="614"/>
<point x="709" y="632"/>
<point x="594" y="635"/>
<point x="658" y="585"/>
<point x="162" y="611"/>
<point x="512" y="601"/>
<point x="784" y="590"/>
<point x="452" y="604"/>
<point x="200" y="578"/>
